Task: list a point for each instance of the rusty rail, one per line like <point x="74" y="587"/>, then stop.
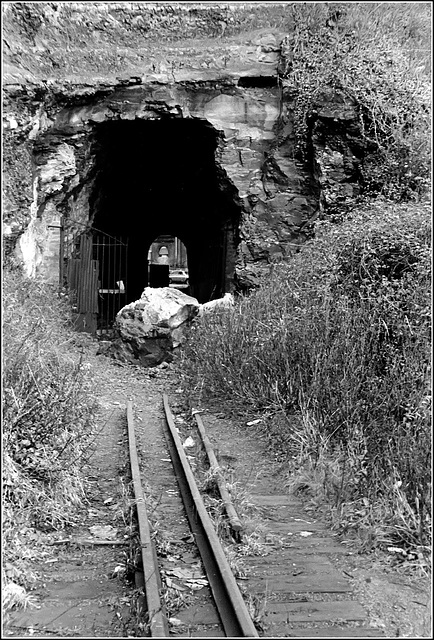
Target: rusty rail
<point x="232" y="609"/>
<point x="234" y="520"/>
<point x="157" y="620"/>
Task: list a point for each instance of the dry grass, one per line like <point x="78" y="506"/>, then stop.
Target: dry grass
<point x="14" y="596"/>
<point x="334" y="353"/>
<point x="48" y="427"/>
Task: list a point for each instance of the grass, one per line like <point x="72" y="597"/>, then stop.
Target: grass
<point x="334" y="353"/>
<point x="376" y="57"/>
<point x="48" y="428"/>
<point x="14" y="596"/>
<point x="376" y="25"/>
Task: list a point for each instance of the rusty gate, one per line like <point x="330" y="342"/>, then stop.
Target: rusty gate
<point x="96" y="276"/>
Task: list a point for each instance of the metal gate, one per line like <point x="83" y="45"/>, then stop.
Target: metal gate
<point x="96" y="277"/>
<point x="111" y="254"/>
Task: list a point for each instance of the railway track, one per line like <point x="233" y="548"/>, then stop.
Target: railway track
<point x="189" y="588"/>
<point x="225" y="613"/>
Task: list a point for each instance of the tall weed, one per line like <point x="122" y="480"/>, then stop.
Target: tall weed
<point x="339" y="338"/>
<point x="376" y="57"/>
<point x="48" y="408"/>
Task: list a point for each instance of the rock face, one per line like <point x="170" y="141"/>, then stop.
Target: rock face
<point x="150" y="328"/>
<point x="181" y="128"/>
<point x="339" y="151"/>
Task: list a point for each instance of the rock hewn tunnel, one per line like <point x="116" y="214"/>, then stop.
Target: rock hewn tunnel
<point x="160" y="177"/>
<point x="161" y="136"/>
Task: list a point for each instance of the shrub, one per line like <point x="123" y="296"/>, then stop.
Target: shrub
<point x="377" y="57"/>
<point x="47" y="415"/>
<point x="340" y="338"/>
<point x="47" y="397"/>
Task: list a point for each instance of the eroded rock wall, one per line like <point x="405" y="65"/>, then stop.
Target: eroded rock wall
<point x="71" y="66"/>
<point x="96" y="40"/>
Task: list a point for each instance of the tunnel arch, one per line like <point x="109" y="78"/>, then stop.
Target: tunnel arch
<point x="160" y="177"/>
<point x="167" y="259"/>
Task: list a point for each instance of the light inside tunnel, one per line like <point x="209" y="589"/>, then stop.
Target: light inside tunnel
<point x="167" y="264"/>
<point x="160" y="178"/>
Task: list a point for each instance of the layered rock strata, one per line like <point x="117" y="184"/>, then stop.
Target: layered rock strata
<point x="70" y="68"/>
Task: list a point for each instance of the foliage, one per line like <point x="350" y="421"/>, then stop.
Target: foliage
<point x="47" y="405"/>
<point x="47" y="414"/>
<point x="340" y="339"/>
<point x="375" y="57"/>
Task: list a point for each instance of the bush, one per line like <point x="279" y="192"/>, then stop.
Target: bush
<point x="47" y="415"/>
<point x="340" y="339"/>
<point x="376" y="57"/>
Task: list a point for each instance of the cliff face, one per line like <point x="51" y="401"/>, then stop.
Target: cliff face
<point x="140" y="119"/>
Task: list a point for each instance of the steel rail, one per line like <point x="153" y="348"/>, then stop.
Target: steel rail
<point x="158" y="625"/>
<point x="234" y="520"/>
<point x="232" y="609"/>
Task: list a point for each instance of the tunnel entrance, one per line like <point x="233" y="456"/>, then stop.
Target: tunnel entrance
<point x="157" y="179"/>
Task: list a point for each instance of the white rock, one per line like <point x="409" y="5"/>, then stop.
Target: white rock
<point x="159" y="311"/>
<point x="151" y="327"/>
<point x="189" y="442"/>
<point x="215" y="305"/>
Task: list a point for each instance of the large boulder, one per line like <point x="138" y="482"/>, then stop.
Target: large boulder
<point x="149" y="329"/>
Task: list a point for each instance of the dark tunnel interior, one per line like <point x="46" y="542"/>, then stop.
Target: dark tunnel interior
<point x="158" y="178"/>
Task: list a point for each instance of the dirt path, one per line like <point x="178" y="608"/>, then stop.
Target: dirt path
<point x="81" y="590"/>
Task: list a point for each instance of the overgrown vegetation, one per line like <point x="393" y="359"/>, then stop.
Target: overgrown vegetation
<point x="335" y="350"/>
<point x="376" y="57"/>
<point x="48" y="428"/>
